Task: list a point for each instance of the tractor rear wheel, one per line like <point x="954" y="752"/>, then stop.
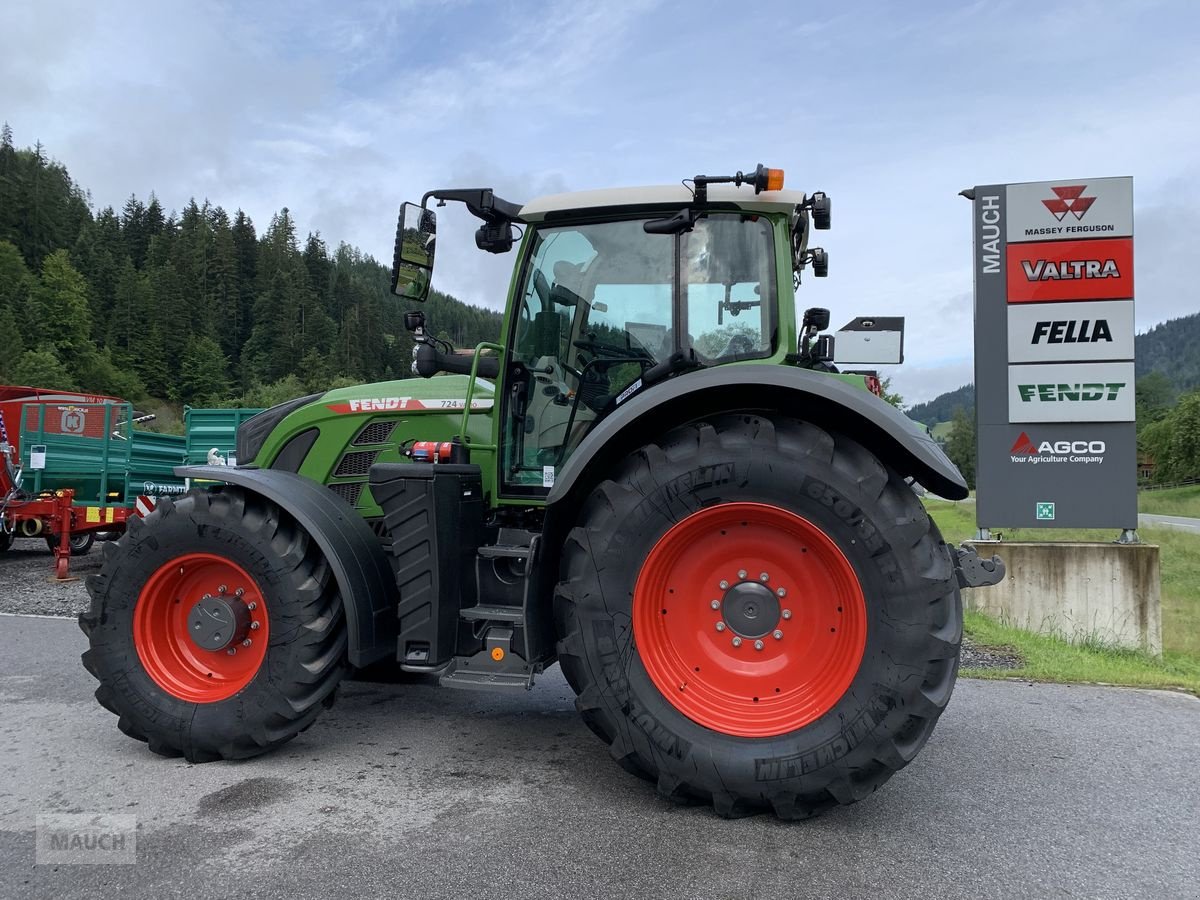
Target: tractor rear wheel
<point x="216" y="629"/>
<point x="759" y="614"/>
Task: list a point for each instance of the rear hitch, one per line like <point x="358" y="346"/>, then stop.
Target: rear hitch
<point x="974" y="570"/>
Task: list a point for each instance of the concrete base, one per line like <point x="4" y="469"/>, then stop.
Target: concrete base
<point x="1109" y="593"/>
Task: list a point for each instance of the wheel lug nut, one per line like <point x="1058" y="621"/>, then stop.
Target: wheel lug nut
<point x="251" y="605"/>
<point x="246" y="642"/>
<point x="254" y="626"/>
<point x="777" y="634"/>
<point x="758" y="645"/>
<point x="231" y="651"/>
<point x="223" y="589"/>
<point x="720" y="626"/>
<point x="780" y="592"/>
<point x="787" y="613"/>
<point x="742" y="574"/>
<point x="239" y="592"/>
<point x="737" y="642"/>
<point x="715" y="604"/>
<point x="724" y="584"/>
<point x="763" y="576"/>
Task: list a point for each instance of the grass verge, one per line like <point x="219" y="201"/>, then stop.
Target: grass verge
<point x="1184" y="501"/>
<point x="1053" y="659"/>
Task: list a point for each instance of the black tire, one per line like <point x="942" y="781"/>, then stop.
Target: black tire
<point x="306" y="654"/>
<point x="913" y="630"/>
<point x="80" y="544"/>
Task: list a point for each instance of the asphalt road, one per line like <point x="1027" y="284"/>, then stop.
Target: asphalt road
<point x="413" y="791"/>
<point x="1192" y="525"/>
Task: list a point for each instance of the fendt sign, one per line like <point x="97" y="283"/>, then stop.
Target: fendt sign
<point x="1055" y="396"/>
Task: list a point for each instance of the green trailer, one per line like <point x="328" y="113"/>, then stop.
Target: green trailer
<point x="206" y="430"/>
<point x="94" y="450"/>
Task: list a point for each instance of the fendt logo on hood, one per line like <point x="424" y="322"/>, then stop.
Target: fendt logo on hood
<point x="1069" y="199"/>
<point x="1024" y="450"/>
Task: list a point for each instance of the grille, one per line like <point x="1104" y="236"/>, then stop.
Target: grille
<point x="356" y="463"/>
<point x="348" y="491"/>
<point x="374" y="433"/>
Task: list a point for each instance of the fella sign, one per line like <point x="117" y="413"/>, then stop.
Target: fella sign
<point x="1055" y="398"/>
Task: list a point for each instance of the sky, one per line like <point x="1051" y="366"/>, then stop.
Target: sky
<point x="340" y="111"/>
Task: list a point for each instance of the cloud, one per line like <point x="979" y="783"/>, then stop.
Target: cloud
<point x="341" y="112"/>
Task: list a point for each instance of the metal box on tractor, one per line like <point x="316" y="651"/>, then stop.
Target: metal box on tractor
<point x="654" y="476"/>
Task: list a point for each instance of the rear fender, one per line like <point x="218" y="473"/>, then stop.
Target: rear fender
<point x="354" y="552"/>
<point x="826" y="402"/>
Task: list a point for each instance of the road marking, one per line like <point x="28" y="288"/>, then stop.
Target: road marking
<point x="37" y="616"/>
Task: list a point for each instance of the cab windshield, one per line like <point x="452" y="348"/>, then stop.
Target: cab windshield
<point x="603" y="302"/>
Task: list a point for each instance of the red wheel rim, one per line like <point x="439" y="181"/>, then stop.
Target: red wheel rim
<point x="782" y="674"/>
<point x="163" y="626"/>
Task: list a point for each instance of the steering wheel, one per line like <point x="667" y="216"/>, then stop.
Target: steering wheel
<point x="600" y="348"/>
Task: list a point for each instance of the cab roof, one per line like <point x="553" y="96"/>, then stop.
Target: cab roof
<point x="666" y="196"/>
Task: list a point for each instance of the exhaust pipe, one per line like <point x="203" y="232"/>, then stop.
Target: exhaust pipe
<point x="31" y="527"/>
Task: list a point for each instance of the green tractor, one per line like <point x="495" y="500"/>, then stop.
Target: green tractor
<point x="654" y="477"/>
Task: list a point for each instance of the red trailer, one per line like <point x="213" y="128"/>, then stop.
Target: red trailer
<point x="67" y="529"/>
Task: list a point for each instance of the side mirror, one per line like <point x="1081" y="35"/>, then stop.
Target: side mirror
<point x="412" y="261"/>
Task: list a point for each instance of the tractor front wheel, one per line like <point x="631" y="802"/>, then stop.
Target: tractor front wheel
<point x="216" y="629"/>
<point x="759" y="614"/>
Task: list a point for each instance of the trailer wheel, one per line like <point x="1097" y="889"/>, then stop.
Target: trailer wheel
<point x="216" y="629"/>
<point x="80" y="544"/>
<point x="759" y="614"/>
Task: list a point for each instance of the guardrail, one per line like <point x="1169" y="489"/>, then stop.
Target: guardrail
<point x="1168" y="485"/>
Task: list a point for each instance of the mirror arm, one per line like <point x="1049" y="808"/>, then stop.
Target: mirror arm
<point x="482" y="202"/>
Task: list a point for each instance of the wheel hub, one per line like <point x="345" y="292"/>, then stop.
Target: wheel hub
<point x="749" y="619"/>
<point x="750" y="610"/>
<point x="201" y="628"/>
<point x="216" y="622"/>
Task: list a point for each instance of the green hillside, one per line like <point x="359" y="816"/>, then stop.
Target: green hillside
<point x="193" y="307"/>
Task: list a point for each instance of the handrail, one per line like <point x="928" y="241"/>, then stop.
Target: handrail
<point x="462" y="431"/>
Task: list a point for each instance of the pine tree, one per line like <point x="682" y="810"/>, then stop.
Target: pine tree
<point x="245" y="251"/>
<point x="60" y="301"/>
<point x="203" y="373"/>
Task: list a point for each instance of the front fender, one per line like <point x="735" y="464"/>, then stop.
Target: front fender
<point x="827" y="402"/>
<point x="353" y="551"/>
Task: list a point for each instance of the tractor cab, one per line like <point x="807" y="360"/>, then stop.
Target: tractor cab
<point x="618" y="290"/>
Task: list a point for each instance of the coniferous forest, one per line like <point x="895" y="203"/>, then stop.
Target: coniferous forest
<point x="199" y="306"/>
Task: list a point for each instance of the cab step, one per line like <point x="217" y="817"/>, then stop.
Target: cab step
<point x="483" y="613"/>
<point x="495" y="668"/>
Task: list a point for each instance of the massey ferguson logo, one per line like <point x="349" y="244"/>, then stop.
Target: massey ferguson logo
<point x="1024" y="450"/>
<point x="1069" y="200"/>
<point x="1069" y="269"/>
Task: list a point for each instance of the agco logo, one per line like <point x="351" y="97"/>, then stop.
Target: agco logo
<point x="1069" y="199"/>
<point x="1024" y="450"/>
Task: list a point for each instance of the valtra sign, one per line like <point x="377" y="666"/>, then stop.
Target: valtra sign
<point x="1099" y="269"/>
<point x="1055" y="400"/>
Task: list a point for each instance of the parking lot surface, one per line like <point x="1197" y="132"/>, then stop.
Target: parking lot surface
<point x="414" y="791"/>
